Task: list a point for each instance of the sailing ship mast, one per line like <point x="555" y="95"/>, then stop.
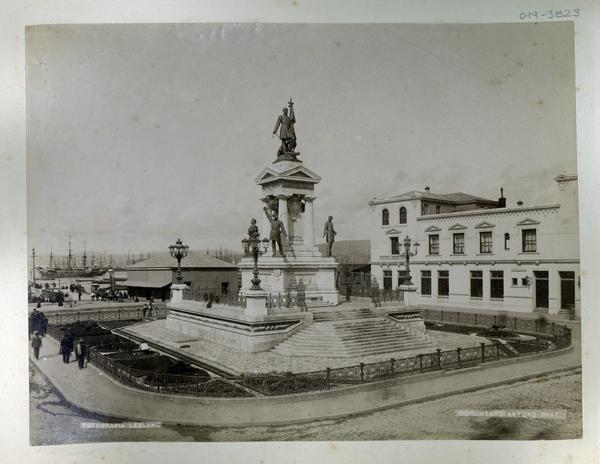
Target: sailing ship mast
<point x="84" y="257"/>
<point x="70" y="258"/>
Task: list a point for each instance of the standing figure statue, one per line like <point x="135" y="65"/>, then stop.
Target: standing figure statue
<point x="329" y="234"/>
<point x="287" y="134"/>
<point x="253" y="233"/>
<point x="277" y="229"/>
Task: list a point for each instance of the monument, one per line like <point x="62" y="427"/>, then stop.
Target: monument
<point x="287" y="199"/>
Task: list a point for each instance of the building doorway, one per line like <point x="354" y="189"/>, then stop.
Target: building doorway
<point x="567" y="290"/>
<point x="541" y="289"/>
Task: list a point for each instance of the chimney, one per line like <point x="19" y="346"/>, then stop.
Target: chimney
<point x="427" y="189"/>
<point x="501" y="200"/>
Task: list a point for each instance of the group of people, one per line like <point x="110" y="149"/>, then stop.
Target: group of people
<point x="38" y="323"/>
<point x="148" y="307"/>
<point x="110" y="296"/>
<point x="68" y="346"/>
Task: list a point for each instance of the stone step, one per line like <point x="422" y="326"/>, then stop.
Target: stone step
<point x="390" y="345"/>
<point x="425" y="345"/>
<point x="348" y="333"/>
<point x="345" y="317"/>
<point x="346" y="337"/>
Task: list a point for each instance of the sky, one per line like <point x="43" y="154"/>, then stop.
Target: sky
<point x="140" y="134"/>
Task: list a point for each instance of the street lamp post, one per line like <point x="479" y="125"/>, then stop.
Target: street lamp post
<point x="407" y="254"/>
<point x="251" y="245"/>
<point x="178" y="251"/>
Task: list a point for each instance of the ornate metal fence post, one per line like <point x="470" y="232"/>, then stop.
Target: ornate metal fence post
<point x="328" y="377"/>
<point x="482" y="352"/>
<point x="420" y="362"/>
<point x="458" y="356"/>
<point x="476" y="322"/>
<point x="362" y="372"/>
<point x="392" y="361"/>
<point x="439" y="358"/>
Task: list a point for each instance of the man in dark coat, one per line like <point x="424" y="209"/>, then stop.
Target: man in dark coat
<point x="81" y="351"/>
<point x="66" y="346"/>
<point x="36" y="344"/>
<point x="43" y="324"/>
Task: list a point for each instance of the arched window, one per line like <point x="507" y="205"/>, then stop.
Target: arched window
<point x="385" y="217"/>
<point x="507" y="241"/>
<point x="403" y="215"/>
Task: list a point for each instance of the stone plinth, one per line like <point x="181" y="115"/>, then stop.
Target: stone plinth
<point x="233" y="327"/>
<point x="410" y="294"/>
<point x="177" y="292"/>
<point x="410" y="320"/>
<point x="256" y="303"/>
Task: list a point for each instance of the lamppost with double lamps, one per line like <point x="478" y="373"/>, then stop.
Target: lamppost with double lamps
<point x="251" y="245"/>
<point x="178" y="251"/>
<point x="407" y="254"/>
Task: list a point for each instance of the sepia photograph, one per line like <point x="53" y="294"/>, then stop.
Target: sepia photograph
<point x="252" y="232"/>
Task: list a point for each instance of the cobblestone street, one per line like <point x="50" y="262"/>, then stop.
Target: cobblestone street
<point x="54" y="422"/>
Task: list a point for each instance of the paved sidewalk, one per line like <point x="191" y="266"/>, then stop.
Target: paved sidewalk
<point x="91" y="390"/>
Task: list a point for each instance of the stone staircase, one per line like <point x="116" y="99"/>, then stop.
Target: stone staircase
<point x="346" y="333"/>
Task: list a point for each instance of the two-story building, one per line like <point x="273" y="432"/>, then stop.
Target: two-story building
<point x="480" y="253"/>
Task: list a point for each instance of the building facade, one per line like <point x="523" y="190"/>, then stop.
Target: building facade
<point x="479" y="253"/>
<point x="202" y="273"/>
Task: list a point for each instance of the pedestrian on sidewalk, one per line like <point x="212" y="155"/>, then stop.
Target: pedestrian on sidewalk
<point x="66" y="348"/>
<point x="145" y="310"/>
<point x="43" y="324"/>
<point x="81" y="351"/>
<point x="150" y="309"/>
<point x="36" y="344"/>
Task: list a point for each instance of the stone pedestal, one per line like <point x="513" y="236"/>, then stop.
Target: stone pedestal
<point x="177" y="292"/>
<point x="256" y="303"/>
<point x="410" y="294"/>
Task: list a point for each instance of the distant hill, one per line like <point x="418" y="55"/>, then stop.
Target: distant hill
<point x="350" y="251"/>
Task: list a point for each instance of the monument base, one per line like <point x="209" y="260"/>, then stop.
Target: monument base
<point x="282" y="274"/>
<point x="233" y="327"/>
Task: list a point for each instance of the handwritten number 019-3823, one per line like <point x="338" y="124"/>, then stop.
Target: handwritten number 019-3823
<point x="551" y="14"/>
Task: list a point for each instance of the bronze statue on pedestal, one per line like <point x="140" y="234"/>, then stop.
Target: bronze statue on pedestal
<point x="287" y="133"/>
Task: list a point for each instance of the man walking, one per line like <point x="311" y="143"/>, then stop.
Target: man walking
<point x="36" y="344"/>
<point x="81" y="351"/>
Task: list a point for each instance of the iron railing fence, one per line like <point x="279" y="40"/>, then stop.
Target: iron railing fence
<point x="68" y="317"/>
<point x="235" y="300"/>
<point x="377" y="295"/>
<point x="161" y="382"/>
<point x="559" y="334"/>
